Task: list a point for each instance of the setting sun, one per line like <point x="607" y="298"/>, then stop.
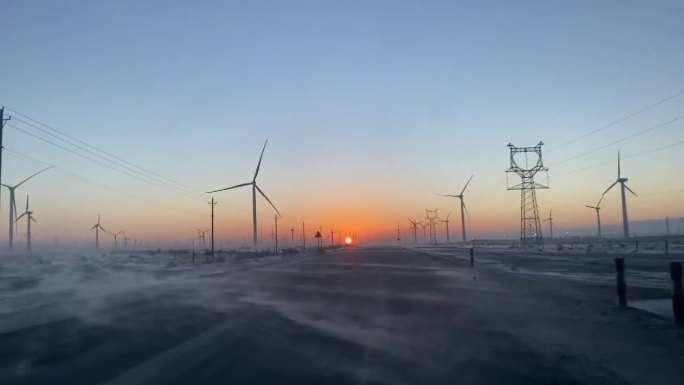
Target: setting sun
<point x="348" y="241"/>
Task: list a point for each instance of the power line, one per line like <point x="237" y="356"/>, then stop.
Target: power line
<point x="621" y="140"/>
<point x="629" y="116"/>
<point x="83" y="179"/>
<point x="607" y="81"/>
<point x="624" y="157"/>
<point x="145" y="170"/>
<point x="101" y="163"/>
<point x="93" y="153"/>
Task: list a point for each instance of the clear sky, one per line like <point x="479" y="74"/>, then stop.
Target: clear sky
<point x="370" y="108"/>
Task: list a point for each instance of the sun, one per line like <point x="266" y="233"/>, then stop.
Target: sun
<point x="348" y="241"/>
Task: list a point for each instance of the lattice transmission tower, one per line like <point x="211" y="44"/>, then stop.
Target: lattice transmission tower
<point x="530" y="224"/>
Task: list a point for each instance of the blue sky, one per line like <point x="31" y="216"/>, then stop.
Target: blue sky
<point x="370" y="107"/>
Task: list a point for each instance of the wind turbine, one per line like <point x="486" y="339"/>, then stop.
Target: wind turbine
<point x="447" y="225"/>
<point x="97" y="229"/>
<point x="550" y="220"/>
<point x="623" y="187"/>
<point x="598" y="215"/>
<point x="13" y="205"/>
<point x="29" y="218"/>
<point x="463" y="208"/>
<point x="414" y="228"/>
<point x="255" y="188"/>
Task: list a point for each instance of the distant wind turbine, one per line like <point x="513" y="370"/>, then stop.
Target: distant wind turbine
<point x="97" y="229"/>
<point x="623" y="187"/>
<point x="447" y="225"/>
<point x="597" y="208"/>
<point x="29" y="218"/>
<point x="255" y="188"/>
<point x="13" y="205"/>
<point x="463" y="208"/>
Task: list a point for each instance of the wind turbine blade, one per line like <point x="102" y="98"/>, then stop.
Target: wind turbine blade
<point x="31" y="218"/>
<point x="448" y="215"/>
<point x="19" y="217"/>
<point x="20" y="183"/>
<point x="445" y="195"/>
<point x="231" y="187"/>
<point x="630" y="190"/>
<point x="467" y="183"/>
<point x="94" y="227"/>
<point x="618" y="163"/>
<point x="608" y="189"/>
<point x="259" y="164"/>
<point x="265" y="197"/>
<point x="466" y="208"/>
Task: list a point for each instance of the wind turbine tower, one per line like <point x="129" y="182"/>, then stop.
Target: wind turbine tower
<point x="29" y="218"/>
<point x="255" y="188"/>
<point x="530" y="225"/>
<point x="446" y="221"/>
<point x="623" y="187"/>
<point x="431" y="216"/>
<point x="414" y="229"/>
<point x="97" y="229"/>
<point x="597" y="208"/>
<point x="464" y="209"/>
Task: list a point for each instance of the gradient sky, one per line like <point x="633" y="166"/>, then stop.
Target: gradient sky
<point x="370" y="108"/>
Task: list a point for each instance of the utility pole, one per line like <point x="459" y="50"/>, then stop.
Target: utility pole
<point x="332" y="237"/>
<point x="275" y="218"/>
<point x="398" y="235"/>
<point x="292" y="236"/>
<point x="212" y="204"/>
<point x="530" y="225"/>
<point x="2" y="125"/>
<point x="667" y="226"/>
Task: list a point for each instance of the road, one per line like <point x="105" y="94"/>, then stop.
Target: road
<point x="357" y="316"/>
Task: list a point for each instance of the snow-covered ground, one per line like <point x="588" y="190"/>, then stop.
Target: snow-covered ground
<point x="647" y="268"/>
<point x="43" y="287"/>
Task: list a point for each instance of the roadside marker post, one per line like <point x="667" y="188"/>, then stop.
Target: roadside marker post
<point x="677" y="292"/>
<point x="472" y="256"/>
<point x="621" y="285"/>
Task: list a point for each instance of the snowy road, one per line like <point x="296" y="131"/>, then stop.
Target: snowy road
<point x="357" y="316"/>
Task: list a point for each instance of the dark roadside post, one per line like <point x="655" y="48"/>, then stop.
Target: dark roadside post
<point x="667" y="247"/>
<point x="637" y="246"/>
<point x="621" y="286"/>
<point x="472" y="256"/>
<point x="677" y="292"/>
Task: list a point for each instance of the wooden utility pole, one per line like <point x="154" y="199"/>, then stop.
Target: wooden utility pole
<point x="2" y="125"/>
<point x="212" y="204"/>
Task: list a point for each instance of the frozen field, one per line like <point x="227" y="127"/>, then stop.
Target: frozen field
<point x="381" y="315"/>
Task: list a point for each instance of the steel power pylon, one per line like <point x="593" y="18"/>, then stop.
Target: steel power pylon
<point x="530" y="225"/>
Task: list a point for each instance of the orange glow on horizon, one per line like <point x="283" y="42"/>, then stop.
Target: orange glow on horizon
<point x="348" y="241"/>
